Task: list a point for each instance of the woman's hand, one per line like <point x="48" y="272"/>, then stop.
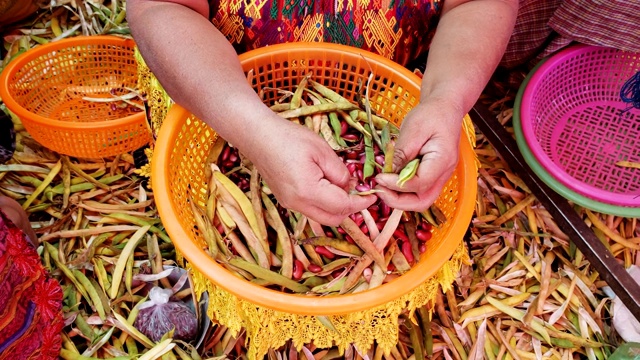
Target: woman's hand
<point x="432" y="133"/>
<point x="18" y="217"/>
<point x="305" y="174"/>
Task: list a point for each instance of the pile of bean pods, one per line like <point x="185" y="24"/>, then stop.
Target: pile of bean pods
<point x="250" y="234"/>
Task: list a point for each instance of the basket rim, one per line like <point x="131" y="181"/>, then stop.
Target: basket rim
<point x="22" y="59"/>
<point x="530" y="86"/>
<point x="293" y="303"/>
<point x="547" y="178"/>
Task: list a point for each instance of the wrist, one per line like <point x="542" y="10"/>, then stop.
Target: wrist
<point x="250" y="131"/>
<point x="442" y="108"/>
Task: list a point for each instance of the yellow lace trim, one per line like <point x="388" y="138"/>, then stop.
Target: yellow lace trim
<point x="266" y="328"/>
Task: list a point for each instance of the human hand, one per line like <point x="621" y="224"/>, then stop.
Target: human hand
<point x="306" y="175"/>
<point x="431" y="132"/>
<point x="18" y="217"/>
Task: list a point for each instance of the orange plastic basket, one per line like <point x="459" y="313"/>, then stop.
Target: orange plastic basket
<point x="46" y="85"/>
<point x="182" y="146"/>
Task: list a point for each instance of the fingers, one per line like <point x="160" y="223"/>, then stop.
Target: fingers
<point x="407" y="147"/>
<point x="411" y="201"/>
<point x="333" y="204"/>
<point x="423" y="189"/>
<point x="433" y="166"/>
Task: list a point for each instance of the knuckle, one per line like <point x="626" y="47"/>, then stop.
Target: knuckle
<point x="333" y="220"/>
<point x="400" y="157"/>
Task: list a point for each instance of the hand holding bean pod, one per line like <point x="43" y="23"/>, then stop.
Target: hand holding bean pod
<point x="326" y="247"/>
<point x="431" y="133"/>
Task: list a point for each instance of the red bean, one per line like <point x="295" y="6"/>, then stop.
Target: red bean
<point x="324" y="252"/>
<point x="350" y="137"/>
<point x="349" y="239"/>
<point x="422" y="248"/>
<point x="374" y="215"/>
<point x="363" y="187"/>
<point x="352" y="168"/>
<point x="298" y="269"/>
<point x="423" y="235"/>
<point x="351" y="155"/>
<point x="360" y="174"/>
<point x="380" y="225"/>
<point x="329" y="233"/>
<point x="336" y="273"/>
<point x="367" y="272"/>
<point x="114" y="107"/>
<point x="343" y="127"/>
<point x="314" y="268"/>
<point x="373" y="183"/>
<point x="406" y="251"/>
<point x="244" y="184"/>
<point x="233" y="157"/>
<point x="399" y="234"/>
<point x="391" y="267"/>
<point x="228" y="164"/>
<point x="374" y="208"/>
<point x="426" y="226"/>
<point x="385" y="209"/>
<point x="220" y="228"/>
<point x="364" y="229"/>
<point x="380" y="159"/>
<point x="357" y="218"/>
<point x="341" y="231"/>
<point x="225" y="153"/>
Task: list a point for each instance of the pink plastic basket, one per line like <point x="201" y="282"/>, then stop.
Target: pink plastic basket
<point x="577" y="126"/>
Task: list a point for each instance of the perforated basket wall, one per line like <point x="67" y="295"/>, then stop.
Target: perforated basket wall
<point x="46" y="85"/>
<point x="272" y="317"/>
<point x="577" y="126"/>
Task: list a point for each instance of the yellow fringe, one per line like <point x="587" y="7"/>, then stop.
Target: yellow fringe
<point x="266" y="328"/>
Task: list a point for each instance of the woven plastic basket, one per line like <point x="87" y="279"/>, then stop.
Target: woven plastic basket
<point x="45" y="87"/>
<point x="555" y="185"/>
<point x="578" y="128"/>
<point x="178" y="168"/>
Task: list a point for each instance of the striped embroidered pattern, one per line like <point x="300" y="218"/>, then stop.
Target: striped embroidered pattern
<point x="397" y="29"/>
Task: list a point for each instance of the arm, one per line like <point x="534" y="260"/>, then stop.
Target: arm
<point x="465" y="51"/>
<point x="200" y="70"/>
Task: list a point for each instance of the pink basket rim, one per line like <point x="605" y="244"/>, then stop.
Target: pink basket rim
<point x="627" y="199"/>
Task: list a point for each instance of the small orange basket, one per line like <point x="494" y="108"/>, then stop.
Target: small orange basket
<point x="74" y="96"/>
<point x="183" y="144"/>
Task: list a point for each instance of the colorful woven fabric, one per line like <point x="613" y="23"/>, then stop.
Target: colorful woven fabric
<point x="400" y="30"/>
<point x="546" y="26"/>
<point x="30" y="302"/>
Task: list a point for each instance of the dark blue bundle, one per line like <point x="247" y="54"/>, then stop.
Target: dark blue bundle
<point x="630" y="92"/>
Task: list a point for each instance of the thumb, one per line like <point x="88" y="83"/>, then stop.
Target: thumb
<point x="335" y="170"/>
<point x="405" y="150"/>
